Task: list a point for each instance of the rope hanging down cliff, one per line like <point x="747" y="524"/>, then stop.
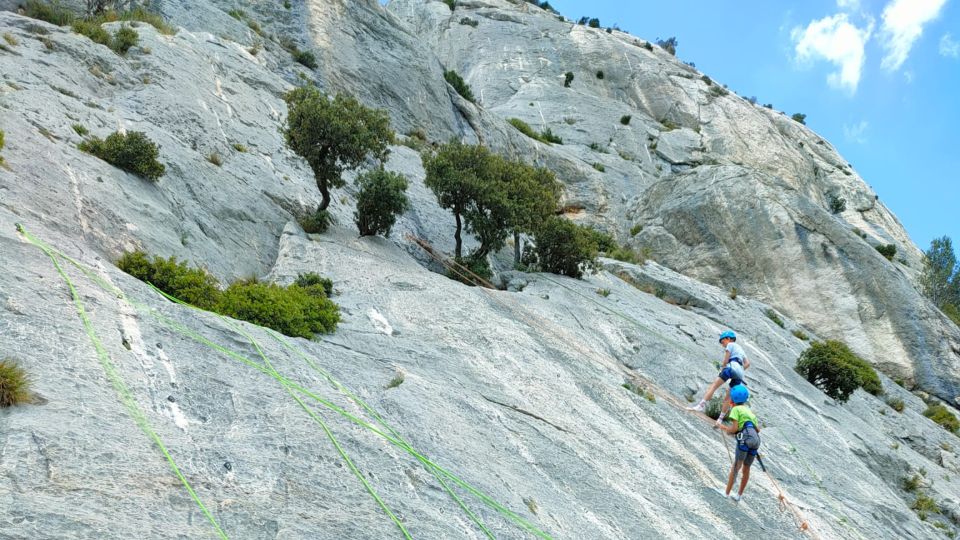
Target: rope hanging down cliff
<point x="470" y="277"/>
<point x="393" y="438"/>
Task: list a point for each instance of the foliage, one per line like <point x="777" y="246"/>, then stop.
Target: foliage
<point x="313" y="279"/>
<point x="92" y="30"/>
<point x="293" y="310"/>
<point x="315" y="223"/>
<point x="600" y="74"/>
<point x="837" y="204"/>
<point x="924" y="505"/>
<point x="396" y="381"/>
<point x="799" y="117"/>
<point x="836" y="370"/>
<point x="124" y="40"/>
<point x="733" y="293"/>
<point x="334" y="135"/>
<point x="467" y="21"/>
<point x="603" y="292"/>
<point x="636" y="229"/>
<point x="912" y="483"/>
<point x="772" y="315"/>
<point x="801" y="335"/>
<point x="718" y="91"/>
<point x="458" y="84"/>
<point x="714" y="407"/>
<point x="381" y="197"/>
<point x="215" y="159"/>
<point x="469" y="269"/>
<point x="133" y="152"/>
<point x="896" y="404"/>
<point x="451" y="4"/>
<point x="625" y="119"/>
<point x="887" y="250"/>
<point x="80" y="129"/>
<point x="599" y="167"/>
<point x="304" y="58"/>
<point x="52" y="13"/>
<point x="567" y="79"/>
<point x="565" y="248"/>
<point x="648" y="46"/>
<point x="940" y="278"/>
<point x="192" y="285"/>
<point x="1" y="145"/>
<point x="546" y="137"/>
<point x="670" y="45"/>
<point x="594" y="23"/>
<point x="941" y="415"/>
<point x="533" y="195"/>
<point x="14" y="384"/>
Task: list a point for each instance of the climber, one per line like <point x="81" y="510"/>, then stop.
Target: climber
<point x="735" y="362"/>
<point x="747" y="430"/>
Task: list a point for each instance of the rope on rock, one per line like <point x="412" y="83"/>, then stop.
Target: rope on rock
<point x="396" y="441"/>
<point x="119" y="386"/>
<point x="471" y="277"/>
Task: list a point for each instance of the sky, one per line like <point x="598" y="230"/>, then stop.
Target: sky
<point x="879" y="79"/>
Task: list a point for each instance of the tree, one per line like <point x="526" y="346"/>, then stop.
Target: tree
<point x="565" y="248"/>
<point x="594" y="23"/>
<point x="940" y="279"/>
<point x="799" y="117"/>
<point x="835" y="369"/>
<point x="533" y="195"/>
<point x="334" y="136"/>
<point x="670" y="45"/>
<point x="452" y="174"/>
<point x="381" y="198"/>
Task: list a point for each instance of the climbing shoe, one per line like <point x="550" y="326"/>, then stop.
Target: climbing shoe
<point x="735" y="497"/>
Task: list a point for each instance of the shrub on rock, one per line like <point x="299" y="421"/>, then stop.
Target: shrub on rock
<point x="458" y="84"/>
<point x="292" y="311"/>
<point x="382" y="196"/>
<point x="313" y="279"/>
<point x="192" y="285"/>
<point x="565" y="248"/>
<point x="14" y="384"/>
<point x="132" y="152"/>
<point x="835" y="369"/>
<point x="941" y="415"/>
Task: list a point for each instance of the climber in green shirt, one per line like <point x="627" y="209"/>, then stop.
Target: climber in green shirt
<point x="747" y="430"/>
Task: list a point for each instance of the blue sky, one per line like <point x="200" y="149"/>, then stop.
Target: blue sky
<point x="887" y="97"/>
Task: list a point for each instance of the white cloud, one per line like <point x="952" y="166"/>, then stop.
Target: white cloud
<point x="949" y="47"/>
<point x="903" y="22"/>
<point x="838" y="41"/>
<point x="857" y="132"/>
<point x="848" y="5"/>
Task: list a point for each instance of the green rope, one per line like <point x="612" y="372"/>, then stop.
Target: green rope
<point x="318" y="420"/>
<point x="117" y="382"/>
<point x="519" y="520"/>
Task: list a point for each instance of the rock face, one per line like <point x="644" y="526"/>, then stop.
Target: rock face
<point x="692" y="165"/>
<point x="519" y="394"/>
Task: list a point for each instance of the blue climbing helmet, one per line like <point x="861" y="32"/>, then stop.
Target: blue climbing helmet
<point x="728" y="334"/>
<point x="739" y="394"/>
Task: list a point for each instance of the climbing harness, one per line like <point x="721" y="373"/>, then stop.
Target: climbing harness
<point x="470" y="277"/>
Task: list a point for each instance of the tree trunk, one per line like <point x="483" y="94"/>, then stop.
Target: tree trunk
<point x="516" y="249"/>
<point x="325" y="192"/>
<point x="456" y="236"/>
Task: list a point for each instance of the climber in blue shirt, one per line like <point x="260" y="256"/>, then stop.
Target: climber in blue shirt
<point x="732" y="368"/>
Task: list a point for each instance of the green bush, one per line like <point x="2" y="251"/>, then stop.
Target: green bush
<point x="458" y="84"/>
<point x="600" y="74"/>
<point x="565" y="248"/>
<point x="594" y="23"/>
<point x="772" y="315"/>
<point x="92" y="30"/>
<point x="381" y="197"/>
<point x="888" y="251"/>
<point x="912" y="483"/>
<point x="801" y="335"/>
<point x="625" y="119"/>
<point x="313" y="279"/>
<point x="567" y="79"/>
<point x="14" y="384"/>
<point x="52" y="13"/>
<point x="670" y="45"/>
<point x="636" y="229"/>
<point x="292" y="311"/>
<point x="192" y="285"/>
<point x="836" y="370"/>
<point x="124" y="40"/>
<point x="599" y="167"/>
<point x="896" y="404"/>
<point x="469" y="269"/>
<point x="546" y="137"/>
<point x="132" y="152"/>
<point x="924" y="505"/>
<point x="549" y="137"/>
<point x="941" y="415"/>
<point x="316" y="223"/>
<point x="80" y="129"/>
<point x="714" y="407"/>
<point x="799" y="117"/>
<point x="950" y="310"/>
<point x="1" y="145"/>
<point x="467" y="21"/>
<point x="837" y="204"/>
<point x="451" y="4"/>
<point x="305" y="58"/>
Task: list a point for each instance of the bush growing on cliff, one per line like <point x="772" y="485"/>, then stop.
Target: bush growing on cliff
<point x="547" y="137"/>
<point x="381" y="197"/>
<point x="837" y="203"/>
<point x="133" y="152"/>
<point x="887" y="250"/>
<point x="940" y="278"/>
<point x="565" y="248"/>
<point x="1" y="145"/>
<point x="567" y="79"/>
<point x="458" y="84"/>
<point x="670" y="45"/>
<point x="835" y="369"/>
<point x="313" y="279"/>
<point x="799" y="117"/>
<point x="14" y="384"/>
<point x="125" y="39"/>
<point x="334" y="135"/>
<point x="941" y="415"/>
<point x="302" y="309"/>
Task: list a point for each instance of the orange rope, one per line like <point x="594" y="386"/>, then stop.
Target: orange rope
<point x="469" y="276"/>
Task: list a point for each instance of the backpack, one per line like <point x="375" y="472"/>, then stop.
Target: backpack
<point x="748" y="440"/>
